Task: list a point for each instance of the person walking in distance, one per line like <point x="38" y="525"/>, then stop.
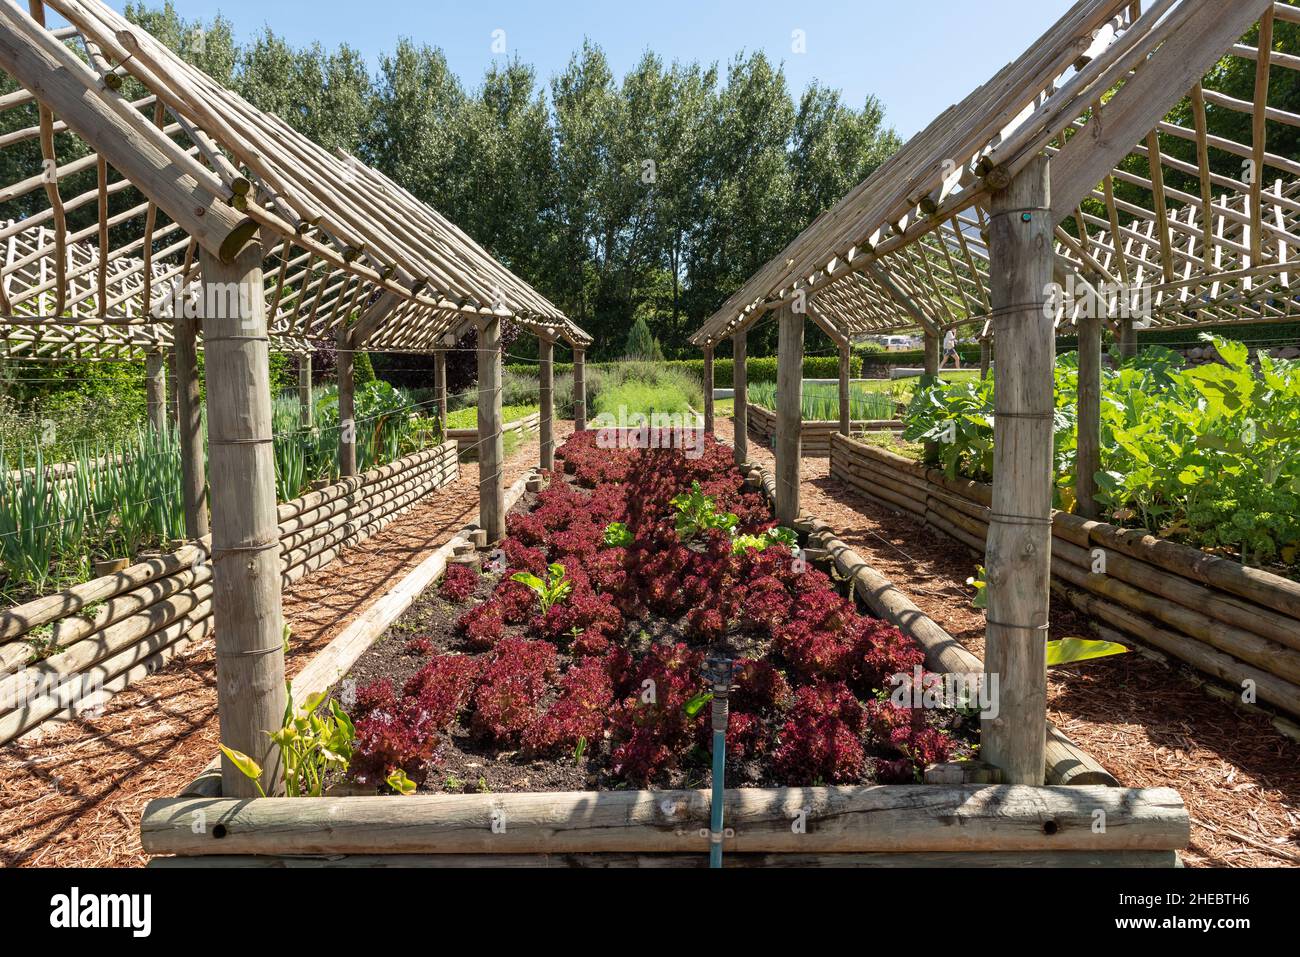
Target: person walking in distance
<point x="950" y="350"/>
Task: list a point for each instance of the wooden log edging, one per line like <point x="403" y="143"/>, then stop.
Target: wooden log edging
<point x="332" y="662"/>
<point x="816" y="433"/>
<point x="1066" y="763"/>
<point x="1238" y="624"/>
<point x="895" y="819"/>
<point x="115" y="629"/>
<point x="962" y="859"/>
<point x="467" y="439"/>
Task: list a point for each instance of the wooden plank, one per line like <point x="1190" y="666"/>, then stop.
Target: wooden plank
<point x="893" y="818"/>
<point x="959" y="859"/>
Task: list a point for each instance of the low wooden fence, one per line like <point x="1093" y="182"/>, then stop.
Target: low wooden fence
<point x="815" y="434"/>
<point x="1238" y="624"/>
<point x="64" y="652"/>
<point x="467" y="439"/>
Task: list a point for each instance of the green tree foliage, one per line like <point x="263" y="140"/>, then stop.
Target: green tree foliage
<point x="641" y="343"/>
<point x="647" y="197"/>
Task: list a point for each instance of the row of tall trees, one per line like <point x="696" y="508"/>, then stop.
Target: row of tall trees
<point x="651" y="196"/>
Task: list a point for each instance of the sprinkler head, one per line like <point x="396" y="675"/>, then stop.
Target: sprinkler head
<point x="719" y="671"/>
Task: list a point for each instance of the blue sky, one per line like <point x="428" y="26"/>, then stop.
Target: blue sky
<point x="918" y="57"/>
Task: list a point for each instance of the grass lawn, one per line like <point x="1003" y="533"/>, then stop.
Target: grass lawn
<point x="467" y="418"/>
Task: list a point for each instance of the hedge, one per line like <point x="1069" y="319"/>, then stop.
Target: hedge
<point x="763" y="368"/>
<point x="760" y="368"/>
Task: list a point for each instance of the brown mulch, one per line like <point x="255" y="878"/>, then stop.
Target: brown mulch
<point x="1148" y="722"/>
<point x="72" y="796"/>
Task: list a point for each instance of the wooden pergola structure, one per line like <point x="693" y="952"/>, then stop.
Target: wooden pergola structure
<point x="162" y="213"/>
<point x="1018" y="190"/>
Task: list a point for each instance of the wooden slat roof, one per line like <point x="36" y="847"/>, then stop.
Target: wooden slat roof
<point x="201" y="167"/>
<point x="906" y="247"/>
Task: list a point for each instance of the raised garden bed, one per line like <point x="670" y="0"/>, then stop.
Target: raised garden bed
<point x="467" y="439"/>
<point x="1239" y="624"/>
<point x="474" y="691"/>
<point x="815" y="436"/>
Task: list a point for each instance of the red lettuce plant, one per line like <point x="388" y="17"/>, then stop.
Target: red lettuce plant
<point x="444" y="685"/>
<point x="821" y="743"/>
<point x="459" y="582"/>
<point x="513" y="684"/>
<point x="483" y="625"/>
<point x="585" y="695"/>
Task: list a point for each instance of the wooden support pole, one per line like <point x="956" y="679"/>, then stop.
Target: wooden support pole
<point x="155" y="389"/>
<point x="579" y="390"/>
<point x="440" y="386"/>
<point x="740" y="384"/>
<point x="931" y="369"/>
<point x="1087" y="457"/>
<point x="546" y="399"/>
<point x="789" y="413"/>
<point x="305" y="411"/>
<point x="1019" y="552"/>
<point x="1128" y="340"/>
<point x="245" y="537"/>
<point x="708" y="390"/>
<point x="931" y="354"/>
<point x="845" y="417"/>
<point x="347" y="405"/>
<point x="986" y="355"/>
<point x="190" y="421"/>
<point x="491" y="450"/>
<point x="173" y="399"/>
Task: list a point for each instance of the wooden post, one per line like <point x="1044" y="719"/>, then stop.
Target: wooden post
<point x="190" y="420"/>
<point x="305" y="412"/>
<point x="173" y="399"/>
<point x="155" y="389"/>
<point x="986" y="355"/>
<point x="1128" y="341"/>
<point x="245" y="539"/>
<point x="845" y="417"/>
<point x="931" y="369"/>
<point x="708" y="389"/>
<point x="1087" y="457"/>
<point x="931" y="354"/>
<point x="440" y="386"/>
<point x="491" y="451"/>
<point x="1019" y="552"/>
<point x="546" y="398"/>
<point x="579" y="390"/>
<point x="789" y="414"/>
<point x="347" y="406"/>
<point x="740" y="383"/>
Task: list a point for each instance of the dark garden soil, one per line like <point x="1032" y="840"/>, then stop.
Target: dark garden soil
<point x="473" y="689"/>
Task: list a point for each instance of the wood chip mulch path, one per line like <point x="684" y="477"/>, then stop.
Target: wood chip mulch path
<point x="72" y="796"/>
<point x="1149" y="723"/>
